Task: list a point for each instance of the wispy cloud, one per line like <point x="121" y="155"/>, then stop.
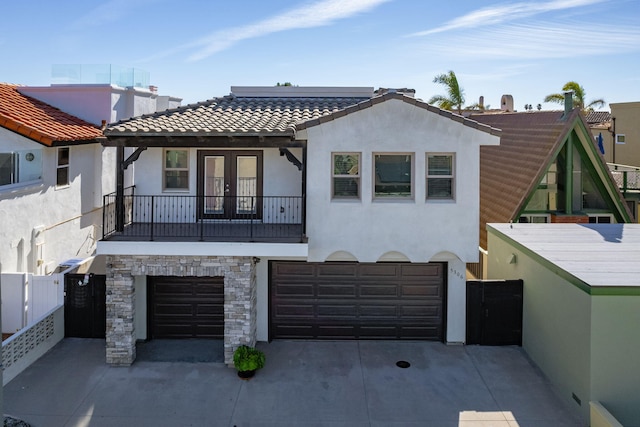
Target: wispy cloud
<point x="319" y="13"/>
<point x="539" y="41"/>
<point x="109" y="11"/>
<point x="504" y="13"/>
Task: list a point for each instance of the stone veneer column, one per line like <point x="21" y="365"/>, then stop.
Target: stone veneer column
<point x="120" y="311"/>
<point x="239" y="298"/>
<point x="239" y="307"/>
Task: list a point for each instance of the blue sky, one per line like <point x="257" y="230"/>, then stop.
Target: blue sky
<point x="197" y="49"/>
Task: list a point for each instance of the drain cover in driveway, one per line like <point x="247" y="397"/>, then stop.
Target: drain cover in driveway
<point x="403" y="364"/>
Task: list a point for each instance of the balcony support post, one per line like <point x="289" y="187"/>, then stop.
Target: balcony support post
<point x="120" y="188"/>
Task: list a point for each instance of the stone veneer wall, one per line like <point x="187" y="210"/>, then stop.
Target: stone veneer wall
<point x="239" y="298"/>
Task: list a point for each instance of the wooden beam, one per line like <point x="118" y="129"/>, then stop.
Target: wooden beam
<point x="201" y="141"/>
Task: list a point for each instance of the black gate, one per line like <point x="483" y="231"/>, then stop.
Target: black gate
<point x="494" y="312"/>
<point x="85" y="305"/>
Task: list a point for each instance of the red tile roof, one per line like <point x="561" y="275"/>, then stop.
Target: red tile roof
<point x="41" y="122"/>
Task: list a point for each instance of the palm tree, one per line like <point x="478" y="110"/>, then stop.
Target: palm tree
<point x="455" y="94"/>
<point x="578" y="97"/>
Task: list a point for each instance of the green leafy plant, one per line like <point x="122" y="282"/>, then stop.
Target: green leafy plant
<point x="247" y="358"/>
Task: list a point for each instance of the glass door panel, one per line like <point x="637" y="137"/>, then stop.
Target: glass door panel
<point x="215" y="187"/>
<point x="246" y="184"/>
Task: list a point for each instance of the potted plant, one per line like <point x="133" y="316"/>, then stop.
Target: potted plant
<point x="247" y="360"/>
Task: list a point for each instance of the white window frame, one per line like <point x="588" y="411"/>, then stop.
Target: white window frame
<point x="357" y="177"/>
<point x="452" y="176"/>
<point x="165" y="169"/>
<point x="379" y="197"/>
<point x="63" y="166"/>
<point x="620" y="138"/>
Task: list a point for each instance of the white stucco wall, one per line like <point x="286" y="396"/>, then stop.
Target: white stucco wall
<point x="416" y="228"/>
<point x="65" y="220"/>
<point x="96" y="102"/>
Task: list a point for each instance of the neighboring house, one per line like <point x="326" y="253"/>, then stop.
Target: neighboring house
<point x="50" y="196"/>
<point x="546" y="169"/>
<point x="581" y="307"/>
<point x="293" y="212"/>
<point x="50" y="186"/>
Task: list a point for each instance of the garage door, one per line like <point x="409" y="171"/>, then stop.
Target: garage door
<point x="357" y="301"/>
<point x="186" y="307"/>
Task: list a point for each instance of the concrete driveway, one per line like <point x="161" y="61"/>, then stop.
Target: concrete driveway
<point x="304" y="383"/>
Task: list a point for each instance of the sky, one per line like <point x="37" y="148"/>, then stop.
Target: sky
<point x="197" y="49"/>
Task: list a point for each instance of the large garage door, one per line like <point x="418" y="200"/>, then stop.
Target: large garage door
<point x="186" y="307"/>
<point x="357" y="301"/>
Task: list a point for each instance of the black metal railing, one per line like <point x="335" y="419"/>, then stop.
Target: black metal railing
<point x="205" y="218"/>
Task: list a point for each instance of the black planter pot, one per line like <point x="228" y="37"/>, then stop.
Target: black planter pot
<point x="246" y="375"/>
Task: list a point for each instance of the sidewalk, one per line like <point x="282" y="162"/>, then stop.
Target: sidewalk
<point x="304" y="383"/>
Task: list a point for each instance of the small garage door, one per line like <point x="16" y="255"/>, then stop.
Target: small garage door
<point x="357" y="300"/>
<point x="186" y="307"/>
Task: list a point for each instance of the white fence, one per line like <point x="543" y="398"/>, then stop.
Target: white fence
<point x="25" y="347"/>
<point x="27" y="297"/>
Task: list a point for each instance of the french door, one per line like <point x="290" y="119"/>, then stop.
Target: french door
<point x="230" y="183"/>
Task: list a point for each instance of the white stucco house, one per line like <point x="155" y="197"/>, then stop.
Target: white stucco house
<point x="50" y="183"/>
<point x="53" y="176"/>
<point x="292" y="212"/>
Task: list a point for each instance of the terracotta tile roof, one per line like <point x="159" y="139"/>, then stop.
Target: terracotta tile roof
<point x="231" y="115"/>
<point x="275" y="116"/>
<point x="595" y="117"/>
<point x="511" y="170"/>
<point x="41" y="122"/>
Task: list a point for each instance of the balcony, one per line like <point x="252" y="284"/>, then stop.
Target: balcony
<point x="627" y="177"/>
<point x="177" y="218"/>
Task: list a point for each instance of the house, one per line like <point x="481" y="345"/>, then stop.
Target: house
<point x="547" y="169"/>
<point x="292" y="212"/>
<point x="49" y="189"/>
<point x="581" y="307"/>
<point x="50" y="196"/>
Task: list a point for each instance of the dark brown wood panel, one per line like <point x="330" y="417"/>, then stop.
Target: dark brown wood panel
<point x="357" y="300"/>
<point x="186" y="307"/>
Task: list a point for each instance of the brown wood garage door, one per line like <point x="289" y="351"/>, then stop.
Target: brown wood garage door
<point x="357" y="300"/>
<point x="186" y="307"/>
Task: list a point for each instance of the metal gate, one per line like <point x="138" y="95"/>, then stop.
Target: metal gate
<point x="85" y="305"/>
<point x="494" y="312"/>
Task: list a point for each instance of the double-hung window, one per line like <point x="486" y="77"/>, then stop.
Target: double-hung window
<point x="440" y="176"/>
<point x="62" y="167"/>
<point x="393" y="175"/>
<point x="176" y="169"/>
<point x="345" y="180"/>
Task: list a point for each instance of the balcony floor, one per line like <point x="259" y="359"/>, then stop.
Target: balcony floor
<point x="227" y="231"/>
